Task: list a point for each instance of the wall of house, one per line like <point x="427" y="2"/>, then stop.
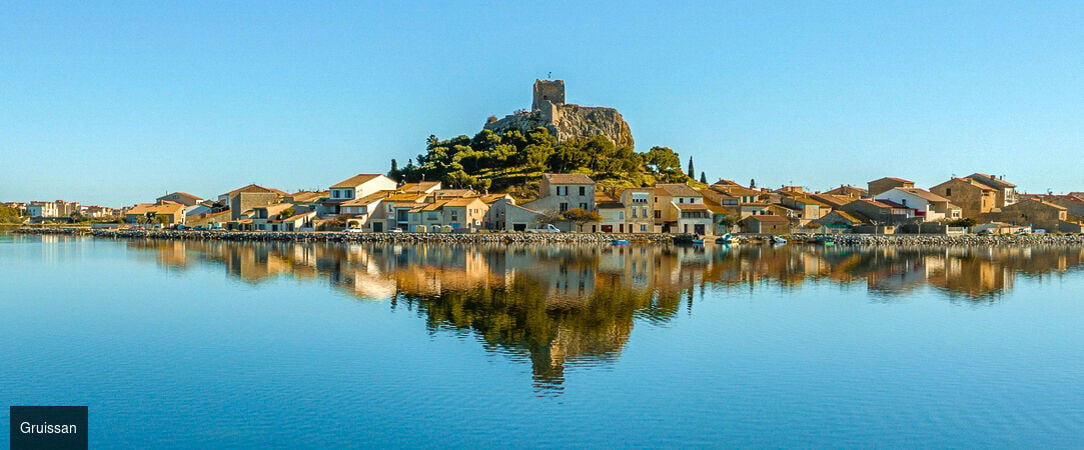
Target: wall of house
<point x="1030" y="212"/>
<point x="244" y="201"/>
<point x="880" y="186"/>
<point x="973" y="200"/>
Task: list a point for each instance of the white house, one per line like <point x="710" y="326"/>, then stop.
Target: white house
<point x="925" y="204"/>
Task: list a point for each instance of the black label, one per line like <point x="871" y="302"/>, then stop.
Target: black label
<point x="53" y="427"/>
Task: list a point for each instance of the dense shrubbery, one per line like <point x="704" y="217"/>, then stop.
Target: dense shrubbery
<point x="508" y="161"/>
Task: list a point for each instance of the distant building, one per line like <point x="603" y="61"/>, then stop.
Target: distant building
<point x="882" y="185"/>
<point x="180" y="197"/>
<point x="560" y="192"/>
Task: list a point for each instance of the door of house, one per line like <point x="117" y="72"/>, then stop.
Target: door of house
<point x="698" y="229"/>
<point x="378" y="227"/>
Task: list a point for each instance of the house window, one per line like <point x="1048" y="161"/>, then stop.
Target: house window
<point x="643" y="209"/>
<point x="455" y="216"/>
<point x="643" y="227"/>
<point x="334" y="194"/>
<point x="583" y="206"/>
<point x="562" y="190"/>
<point x="431" y="215"/>
<point x="583" y="190"/>
<point x="563" y="207"/>
<point x="634" y="212"/>
<point x="948" y="191"/>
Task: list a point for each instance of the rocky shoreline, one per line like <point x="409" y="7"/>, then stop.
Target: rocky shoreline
<point x="596" y="238"/>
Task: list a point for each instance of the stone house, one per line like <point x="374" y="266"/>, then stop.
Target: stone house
<point x="396" y="210"/>
<point x="560" y="192"/>
<point x="455" y="215"/>
<point x="878" y="212"/>
<point x="169" y="212"/>
<point x="839" y="222"/>
<point x="765" y="224"/>
<point x="505" y="214"/>
<point x="183" y="198"/>
<point x="973" y="198"/>
<point x="848" y="191"/>
<point x="1036" y="212"/>
<point x="611" y="214"/>
<point x="248" y="197"/>
<point x="678" y="208"/>
<point x="882" y="185"/>
<point x="1006" y="191"/>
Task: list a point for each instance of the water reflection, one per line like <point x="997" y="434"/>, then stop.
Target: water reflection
<point x="561" y="306"/>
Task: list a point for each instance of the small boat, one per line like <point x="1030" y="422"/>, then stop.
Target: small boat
<point x="726" y="239"/>
<point x="621" y="242"/>
<point x="778" y="240"/>
<point x="697" y="242"/>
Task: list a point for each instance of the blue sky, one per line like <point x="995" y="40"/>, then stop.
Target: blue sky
<point x="116" y="103"/>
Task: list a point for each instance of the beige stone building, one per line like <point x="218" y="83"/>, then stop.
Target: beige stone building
<point x="973" y="198"/>
<point x="882" y="185"/>
<point x="1034" y="211"/>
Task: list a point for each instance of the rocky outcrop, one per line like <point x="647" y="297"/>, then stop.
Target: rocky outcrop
<point x="568" y="122"/>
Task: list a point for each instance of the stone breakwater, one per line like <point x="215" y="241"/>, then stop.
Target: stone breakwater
<point x="453" y="238"/>
<point x="943" y="240"/>
<point x="600" y="238"/>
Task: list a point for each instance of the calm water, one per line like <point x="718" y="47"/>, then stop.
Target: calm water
<point x="211" y="344"/>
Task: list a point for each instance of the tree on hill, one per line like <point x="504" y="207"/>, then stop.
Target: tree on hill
<point x="691" y="172"/>
<point x="703" y="178"/>
<point x="503" y="161"/>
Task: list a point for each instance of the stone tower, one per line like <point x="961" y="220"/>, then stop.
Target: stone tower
<point x="549" y="95"/>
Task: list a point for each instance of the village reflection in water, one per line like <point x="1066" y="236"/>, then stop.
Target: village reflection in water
<point x="566" y="305"/>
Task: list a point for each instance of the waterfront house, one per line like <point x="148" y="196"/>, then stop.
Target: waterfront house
<point x="269" y="217"/>
<point x="882" y="185"/>
<point x="639" y="215"/>
<point x="679" y="208"/>
<point x="1004" y="190"/>
<point x="164" y="212"/>
<point x="42" y="209"/>
<point x="183" y="198"/>
<point x="840" y="222"/>
<point x="366" y="212"/>
<point x="1035" y="212"/>
<point x="611" y="214"/>
<point x="879" y="212"/>
<point x="808" y="209"/>
<point x="560" y="192"/>
<point x="396" y="210"/>
<point x="245" y="198"/>
<point x="454" y="215"/>
<point x="357" y="186"/>
<point x="765" y="224"/>
<point x="926" y="205"/>
<point x="974" y="198"/>
<point x="504" y="214"/>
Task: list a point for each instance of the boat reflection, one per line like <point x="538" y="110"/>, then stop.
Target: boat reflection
<point x="568" y="305"/>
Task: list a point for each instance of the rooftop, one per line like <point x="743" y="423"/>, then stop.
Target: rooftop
<point x="355" y="181"/>
<point x="567" y="178"/>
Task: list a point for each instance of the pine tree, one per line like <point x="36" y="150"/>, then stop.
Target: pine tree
<point x="394" y="172"/>
<point x="692" y="172"/>
<point x="703" y="178"/>
<point x="752" y="183"/>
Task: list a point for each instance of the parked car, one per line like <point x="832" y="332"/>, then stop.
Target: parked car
<point x="396" y="230"/>
<point x="354" y="230"/>
<point x="547" y="228"/>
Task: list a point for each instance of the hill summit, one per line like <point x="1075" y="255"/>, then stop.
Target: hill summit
<point x="565" y="121"/>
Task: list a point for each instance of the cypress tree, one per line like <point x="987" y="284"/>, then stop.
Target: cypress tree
<point x="692" y="172"/>
<point x="703" y="178"/>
